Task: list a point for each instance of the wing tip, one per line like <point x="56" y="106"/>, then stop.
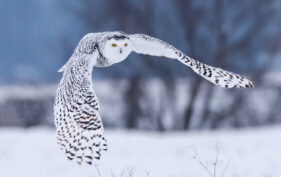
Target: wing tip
<point x="250" y="84"/>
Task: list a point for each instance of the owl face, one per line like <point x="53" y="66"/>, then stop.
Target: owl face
<point x="116" y="49"/>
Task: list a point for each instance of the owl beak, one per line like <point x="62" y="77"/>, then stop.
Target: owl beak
<point x="120" y="50"/>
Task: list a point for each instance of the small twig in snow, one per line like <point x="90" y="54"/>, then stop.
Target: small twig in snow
<point x="130" y="171"/>
<point x="147" y="173"/>
<point x="198" y="160"/>
<point x="215" y="163"/>
<point x="98" y="170"/>
<point x="112" y="174"/>
<point x="225" y="168"/>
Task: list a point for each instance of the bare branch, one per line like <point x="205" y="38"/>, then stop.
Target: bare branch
<point x="215" y="163"/>
<point x="112" y="174"/>
<point x="130" y="171"/>
<point x="203" y="165"/>
<point x="147" y="173"/>
<point x="225" y="168"/>
<point x="98" y="171"/>
<point x="122" y="173"/>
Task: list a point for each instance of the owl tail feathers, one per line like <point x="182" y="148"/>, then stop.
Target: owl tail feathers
<point x="86" y="150"/>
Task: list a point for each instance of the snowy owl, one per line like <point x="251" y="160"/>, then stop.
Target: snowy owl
<point x="76" y="109"/>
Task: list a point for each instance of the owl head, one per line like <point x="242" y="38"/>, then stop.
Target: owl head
<point x="116" y="47"/>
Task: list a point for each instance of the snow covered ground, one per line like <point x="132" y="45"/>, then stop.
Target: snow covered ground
<point x="249" y="153"/>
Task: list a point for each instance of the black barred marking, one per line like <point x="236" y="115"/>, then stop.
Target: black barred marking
<point x="251" y="85"/>
<point x="89" y="157"/>
<point x="98" y="152"/>
<point x="79" y="158"/>
<point x="187" y="61"/>
<point x="217" y="81"/>
<point x="118" y="37"/>
<point x="205" y="72"/>
<point x="70" y="158"/>
<point x="70" y="153"/>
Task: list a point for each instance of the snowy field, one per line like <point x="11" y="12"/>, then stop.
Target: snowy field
<point x="248" y="153"/>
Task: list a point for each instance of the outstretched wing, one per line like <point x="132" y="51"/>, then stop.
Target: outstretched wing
<point x="78" y="123"/>
<point x="144" y="44"/>
<point x="79" y="127"/>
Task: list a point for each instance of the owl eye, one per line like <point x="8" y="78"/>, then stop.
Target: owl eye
<point x="125" y="44"/>
<point x="114" y="45"/>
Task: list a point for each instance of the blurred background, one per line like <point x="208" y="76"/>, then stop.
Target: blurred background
<point x="38" y="37"/>
<point x="143" y="92"/>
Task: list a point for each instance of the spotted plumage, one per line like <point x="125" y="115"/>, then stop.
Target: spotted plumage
<point x="79" y="126"/>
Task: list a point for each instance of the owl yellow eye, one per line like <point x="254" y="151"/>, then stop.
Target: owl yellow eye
<point x="125" y="44"/>
<point x="114" y="45"/>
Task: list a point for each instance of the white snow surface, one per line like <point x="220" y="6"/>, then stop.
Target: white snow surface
<point x="249" y="153"/>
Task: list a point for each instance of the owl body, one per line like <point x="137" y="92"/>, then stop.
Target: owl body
<point x="76" y="110"/>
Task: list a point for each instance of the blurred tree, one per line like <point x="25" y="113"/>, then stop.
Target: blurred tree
<point x="262" y="14"/>
<point x="225" y="24"/>
<point x="225" y="33"/>
<point x="190" y="17"/>
<point x="26" y="112"/>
